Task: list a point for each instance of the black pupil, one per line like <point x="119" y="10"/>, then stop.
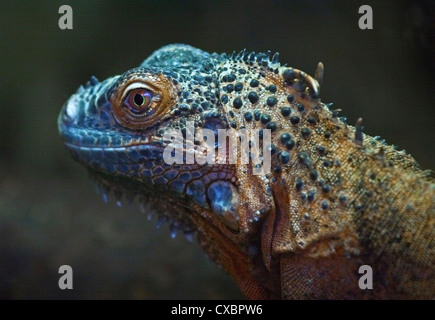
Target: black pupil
<point x="138" y="99"/>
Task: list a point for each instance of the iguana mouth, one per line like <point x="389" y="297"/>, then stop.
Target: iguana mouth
<point x="138" y="154"/>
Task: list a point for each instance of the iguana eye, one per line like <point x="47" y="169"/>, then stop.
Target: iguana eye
<point x="138" y="101"/>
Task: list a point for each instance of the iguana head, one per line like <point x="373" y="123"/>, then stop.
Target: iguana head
<point x="125" y="129"/>
<point x="119" y="130"/>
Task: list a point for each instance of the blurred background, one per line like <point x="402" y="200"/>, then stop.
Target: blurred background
<point x="49" y="212"/>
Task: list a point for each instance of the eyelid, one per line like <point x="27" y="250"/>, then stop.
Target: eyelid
<point x="136" y="85"/>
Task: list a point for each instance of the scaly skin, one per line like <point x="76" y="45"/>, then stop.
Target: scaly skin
<point x="335" y="199"/>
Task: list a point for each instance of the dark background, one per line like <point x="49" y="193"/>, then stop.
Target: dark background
<point x="49" y="212"/>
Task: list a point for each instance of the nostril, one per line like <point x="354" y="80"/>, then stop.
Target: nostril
<point x="224" y="201"/>
<point x="70" y="111"/>
<point x="66" y="119"/>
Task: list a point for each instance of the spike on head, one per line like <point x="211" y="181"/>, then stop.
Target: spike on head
<point x="294" y="75"/>
<point x="318" y="75"/>
<point x="275" y="58"/>
<point x="358" y="132"/>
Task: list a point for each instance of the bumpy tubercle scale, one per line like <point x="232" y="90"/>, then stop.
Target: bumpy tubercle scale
<point x="335" y="198"/>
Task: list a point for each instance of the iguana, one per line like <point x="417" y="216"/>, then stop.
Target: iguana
<point x="335" y="199"/>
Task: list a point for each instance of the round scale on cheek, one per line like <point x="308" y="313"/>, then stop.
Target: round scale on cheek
<point x="248" y="116"/>
<point x="285" y="137"/>
<point x="254" y="83"/>
<point x="271" y="101"/>
<point x="196" y="190"/>
<point x="285" y="111"/>
<point x="238" y="87"/>
<point x="295" y="119"/>
<point x="253" y="97"/>
<point x="237" y="103"/>
<point x="223" y="198"/>
<point x="305" y="132"/>
<point x="272" y="126"/>
<point x="265" y="118"/>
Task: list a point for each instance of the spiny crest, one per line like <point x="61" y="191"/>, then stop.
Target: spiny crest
<point x="263" y="59"/>
<point x="272" y="64"/>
